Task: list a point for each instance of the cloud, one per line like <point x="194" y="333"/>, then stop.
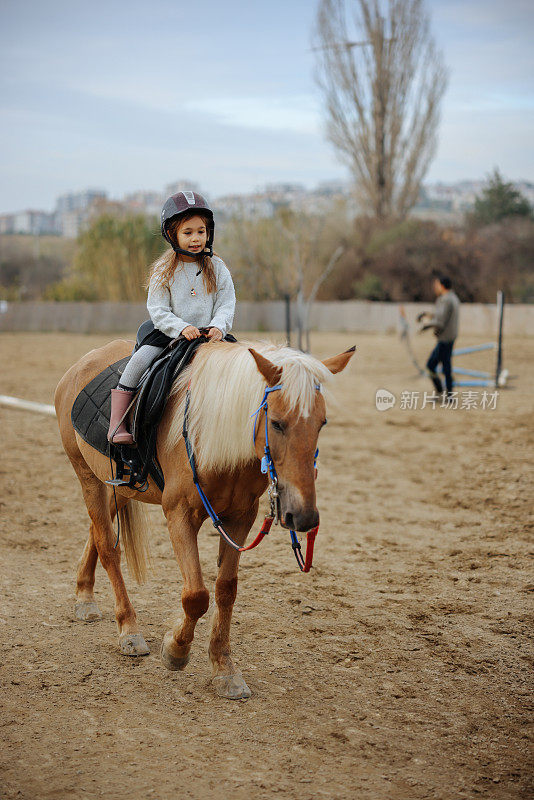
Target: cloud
<point x="297" y="114"/>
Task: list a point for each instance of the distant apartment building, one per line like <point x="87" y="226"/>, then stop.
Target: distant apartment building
<point x="70" y="223"/>
<point x="243" y="206"/>
<point x="460" y="197"/>
<point x="73" y="210"/>
<point x="79" y="201"/>
<point x="33" y="223"/>
<point x="293" y="196"/>
<point x="443" y="202"/>
<point x="148" y="203"/>
<point x="7" y="223"/>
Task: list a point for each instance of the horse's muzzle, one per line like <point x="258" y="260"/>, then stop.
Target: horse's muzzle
<point x="297" y="513"/>
<point x="300" y="520"/>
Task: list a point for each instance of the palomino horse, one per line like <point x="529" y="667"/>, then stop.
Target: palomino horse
<point x="226" y="383"/>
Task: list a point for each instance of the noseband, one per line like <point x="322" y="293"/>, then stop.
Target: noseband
<point x="267" y="468"/>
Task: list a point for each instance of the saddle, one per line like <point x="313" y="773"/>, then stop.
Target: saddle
<point x="91" y="411"/>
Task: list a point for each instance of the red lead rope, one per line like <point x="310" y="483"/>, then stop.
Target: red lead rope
<point x="310" y="541"/>
<point x="305" y="564"/>
<point x="265" y="528"/>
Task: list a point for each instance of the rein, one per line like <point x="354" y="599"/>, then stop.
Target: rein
<point x="267" y="468"/>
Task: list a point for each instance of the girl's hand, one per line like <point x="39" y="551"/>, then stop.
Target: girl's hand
<point x="215" y="335"/>
<point x="190" y="332"/>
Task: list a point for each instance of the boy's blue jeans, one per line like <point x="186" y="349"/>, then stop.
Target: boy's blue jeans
<point x="441" y="354"/>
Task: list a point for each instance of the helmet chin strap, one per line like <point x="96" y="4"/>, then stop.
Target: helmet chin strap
<point x="208" y="251"/>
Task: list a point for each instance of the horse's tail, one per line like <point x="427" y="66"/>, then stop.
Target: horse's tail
<point x="134" y="529"/>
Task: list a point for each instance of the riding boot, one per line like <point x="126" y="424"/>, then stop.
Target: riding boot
<point x="120" y="400"/>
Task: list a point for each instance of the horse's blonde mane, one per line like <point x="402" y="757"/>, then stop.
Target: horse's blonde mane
<point x="226" y="388"/>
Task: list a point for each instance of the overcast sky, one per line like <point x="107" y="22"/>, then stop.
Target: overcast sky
<point x="133" y="95"/>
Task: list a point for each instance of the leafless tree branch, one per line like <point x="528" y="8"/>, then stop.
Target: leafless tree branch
<point x="382" y="97"/>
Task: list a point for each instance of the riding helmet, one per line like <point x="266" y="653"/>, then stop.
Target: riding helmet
<point x="179" y="204"/>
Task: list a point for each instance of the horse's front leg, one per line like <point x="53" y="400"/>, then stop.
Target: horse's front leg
<point x="227" y="679"/>
<point x="184" y="524"/>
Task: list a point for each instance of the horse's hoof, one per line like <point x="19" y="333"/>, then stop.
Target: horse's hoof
<point x="87" y="611"/>
<point x="232" y="687"/>
<point x="133" y="644"/>
<point x="170" y="661"/>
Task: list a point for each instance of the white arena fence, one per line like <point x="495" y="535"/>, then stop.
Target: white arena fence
<point x="477" y="319"/>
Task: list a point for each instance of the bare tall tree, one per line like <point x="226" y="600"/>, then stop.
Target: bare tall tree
<point x="382" y="97"/>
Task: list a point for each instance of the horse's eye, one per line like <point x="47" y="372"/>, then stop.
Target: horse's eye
<point x="324" y="422"/>
<point x="277" y="425"/>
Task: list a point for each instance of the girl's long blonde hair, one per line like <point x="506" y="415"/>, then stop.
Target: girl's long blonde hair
<point x="164" y="267"/>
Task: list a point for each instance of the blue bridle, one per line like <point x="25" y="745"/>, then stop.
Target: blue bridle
<point x="267" y="463"/>
<point x="267" y="467"/>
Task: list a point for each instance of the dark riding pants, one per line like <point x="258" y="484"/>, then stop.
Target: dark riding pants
<point x="441" y="354"/>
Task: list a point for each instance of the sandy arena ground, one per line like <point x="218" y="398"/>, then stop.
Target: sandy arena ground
<point x="398" y="668"/>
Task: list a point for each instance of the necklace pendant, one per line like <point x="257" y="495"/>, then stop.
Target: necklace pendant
<point x="193" y="293"/>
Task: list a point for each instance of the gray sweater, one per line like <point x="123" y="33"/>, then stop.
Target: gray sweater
<point x="445" y="318"/>
<point x="173" y="307"/>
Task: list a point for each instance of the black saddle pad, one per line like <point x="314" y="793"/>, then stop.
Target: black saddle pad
<point x="91" y="410"/>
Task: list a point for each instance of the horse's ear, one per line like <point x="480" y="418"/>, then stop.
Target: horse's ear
<point x="337" y="363"/>
<point x="270" y="371"/>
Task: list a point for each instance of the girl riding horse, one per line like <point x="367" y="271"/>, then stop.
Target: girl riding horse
<point x="189" y="288"/>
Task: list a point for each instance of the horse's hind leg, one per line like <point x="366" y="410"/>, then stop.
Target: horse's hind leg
<point x="96" y="498"/>
<point x="86" y="609"/>
<point x="102" y="538"/>
<point x="227" y="679"/>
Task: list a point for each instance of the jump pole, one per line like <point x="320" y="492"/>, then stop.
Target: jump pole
<point x="485" y="379"/>
<point x="27" y="405"/>
<point x="474" y="373"/>
<point x="475" y="382"/>
<point x="500" y="310"/>
<point x="476" y="348"/>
